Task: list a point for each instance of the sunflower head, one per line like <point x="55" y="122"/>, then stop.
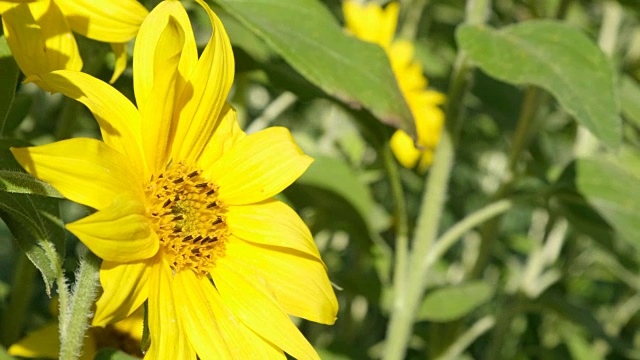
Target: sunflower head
<point x="186" y="219"/>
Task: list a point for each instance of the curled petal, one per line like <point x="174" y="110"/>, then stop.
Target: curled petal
<point x="205" y="93"/>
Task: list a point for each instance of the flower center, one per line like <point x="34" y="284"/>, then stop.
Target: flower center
<point x="188" y="217"/>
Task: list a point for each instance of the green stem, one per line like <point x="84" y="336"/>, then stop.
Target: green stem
<point x="402" y="227"/>
<point x="61" y="282"/>
<point x="412" y="12"/>
<point x="521" y="139"/>
<point x="451" y="236"/>
<point x="22" y="289"/>
<point x="522" y="136"/>
<point x="468" y="337"/>
<point x="84" y="293"/>
<point x="403" y="316"/>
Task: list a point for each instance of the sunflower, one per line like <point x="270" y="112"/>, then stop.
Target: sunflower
<point x="185" y="216"/>
<point x="374" y="24"/>
<point x="40" y="37"/>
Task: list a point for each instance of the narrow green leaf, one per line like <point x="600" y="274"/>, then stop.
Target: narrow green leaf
<point x="33" y="220"/>
<point x="557" y="58"/>
<point x="452" y="303"/>
<point x="8" y="79"/>
<point x="308" y="37"/>
<point x="610" y="185"/>
<point x="22" y="183"/>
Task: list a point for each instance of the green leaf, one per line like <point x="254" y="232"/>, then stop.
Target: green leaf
<point x="23" y="183"/>
<point x="8" y="79"/>
<point x="557" y="58"/>
<point x="610" y="185"/>
<point x="452" y="303"/>
<point x="308" y="37"/>
<point x="33" y="220"/>
<point x="113" y="354"/>
<point x="4" y="355"/>
<point x="336" y="176"/>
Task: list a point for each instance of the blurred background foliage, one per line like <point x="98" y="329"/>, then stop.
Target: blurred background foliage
<point x="554" y="277"/>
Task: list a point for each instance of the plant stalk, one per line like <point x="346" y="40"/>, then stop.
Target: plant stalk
<point x="84" y="294"/>
<point x="403" y="315"/>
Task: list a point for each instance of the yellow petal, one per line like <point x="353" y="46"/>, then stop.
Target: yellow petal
<point x="158" y="126"/>
<point x="425" y="161"/>
<point x="43" y="342"/>
<point x="132" y="325"/>
<point x="83" y="170"/>
<point x="114" y="21"/>
<point x="61" y="48"/>
<point x="205" y="94"/>
<point x="40" y="38"/>
<point x="119" y="120"/>
<point x="120" y="232"/>
<point x="225" y="135"/>
<point x="249" y="299"/>
<point x="120" y="64"/>
<point x="404" y="149"/>
<point x="144" y="51"/>
<point x="168" y="338"/>
<point x="370" y="22"/>
<point x="211" y="326"/>
<point x="125" y="287"/>
<point x="429" y="122"/>
<point x="9" y="4"/>
<point x="300" y="283"/>
<point x="271" y="223"/>
<point x="258" y="167"/>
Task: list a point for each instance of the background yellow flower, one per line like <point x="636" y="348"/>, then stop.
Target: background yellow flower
<point x="370" y="22"/>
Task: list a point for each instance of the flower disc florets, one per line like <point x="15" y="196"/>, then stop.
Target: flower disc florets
<point x="188" y="217"/>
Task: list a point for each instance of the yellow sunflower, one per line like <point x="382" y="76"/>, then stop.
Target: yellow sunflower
<point x="40" y="37"/>
<point x="374" y="24"/>
<point x="185" y="216"/>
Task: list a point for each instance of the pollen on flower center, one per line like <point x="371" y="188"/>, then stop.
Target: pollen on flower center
<point x="188" y="217"/>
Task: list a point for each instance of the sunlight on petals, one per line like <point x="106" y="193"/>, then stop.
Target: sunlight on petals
<point x="125" y="287"/>
<point x="248" y="297"/>
<point x="259" y="166"/>
<point x="119" y="232"/>
<point x="86" y="171"/>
